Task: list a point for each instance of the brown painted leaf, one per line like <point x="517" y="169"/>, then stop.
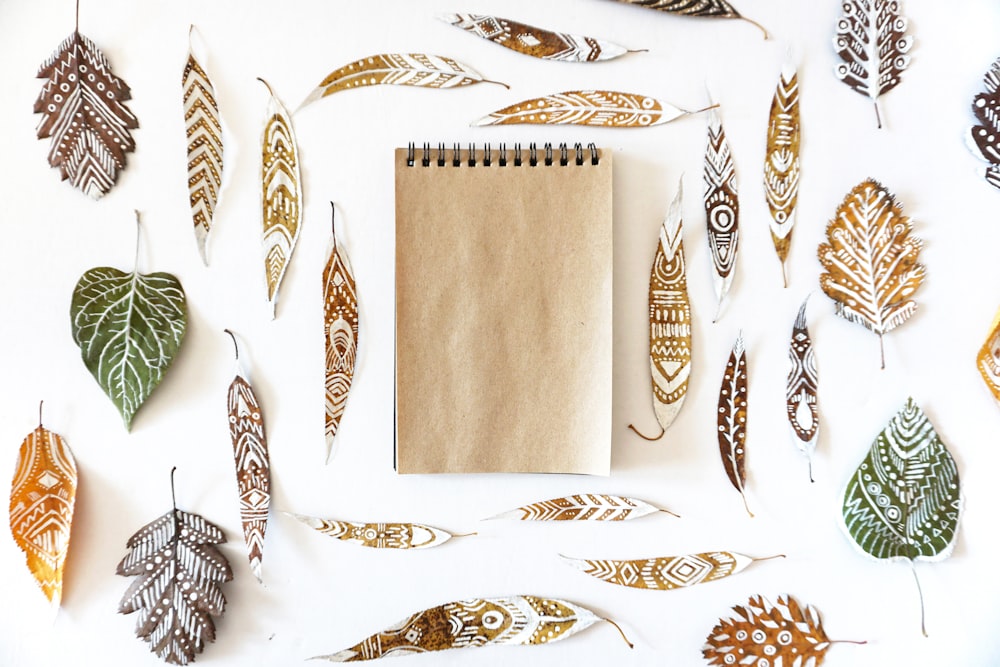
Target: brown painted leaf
<point x="722" y="208"/>
<point x="380" y="535"/>
<point x="253" y="468"/>
<point x="583" y="507"/>
<point x="732" y="419"/>
<point x="984" y="135"/>
<point x="801" y="399"/>
<point x="83" y="110"/>
<point x="762" y="633"/>
<point x="537" y="42"/>
<point x="340" y="331"/>
<point x="988" y="360"/>
<point x="599" y="108"/>
<point x="781" y="163"/>
<point x="871" y="261"/>
<point x="702" y="8"/>
<point x="668" y="573"/>
<point x="42" y="496"/>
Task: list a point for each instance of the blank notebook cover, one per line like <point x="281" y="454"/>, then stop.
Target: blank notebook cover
<point x="503" y="312"/>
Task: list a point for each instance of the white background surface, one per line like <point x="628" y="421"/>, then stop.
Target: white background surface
<point x="320" y="595"/>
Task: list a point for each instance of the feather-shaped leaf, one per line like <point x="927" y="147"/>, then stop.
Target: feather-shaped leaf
<point x="176" y="592"/>
<point x="904" y="500"/>
<point x="984" y="136"/>
<point x="871" y="261"/>
<point x="380" y="535"/>
<point x="669" y="320"/>
<point x="204" y="148"/>
<point x="781" y="163"/>
<point x="988" y="360"/>
<point x="281" y="195"/>
<point x="398" y="69"/>
<point x="129" y="327"/>
<point x="762" y="633"/>
<point x="83" y="110"/>
<point x="42" y="496"/>
<point x="871" y="40"/>
<point x="521" y="619"/>
<point x="720" y="9"/>
<point x="722" y="208"/>
<point x="667" y="573"/>
<point x="253" y="468"/>
<point x="600" y="108"/>
<point x="801" y="399"/>
<point x="584" y="507"/>
<point x="537" y="42"/>
<point x="340" y="333"/>
<point x="732" y="419"/>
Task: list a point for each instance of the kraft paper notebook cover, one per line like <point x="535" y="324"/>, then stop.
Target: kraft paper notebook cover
<point x="503" y="310"/>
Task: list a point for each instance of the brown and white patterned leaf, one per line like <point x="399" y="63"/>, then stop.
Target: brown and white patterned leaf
<point x="732" y="419"/>
<point x="667" y="573"/>
<point x="599" y="108"/>
<point x="988" y="359"/>
<point x="584" y="507"/>
<point x="178" y="571"/>
<point x="801" y="398"/>
<point x="204" y="148"/>
<point x="669" y="320"/>
<point x="722" y="208"/>
<point x="253" y="468"/>
<point x="537" y="42"/>
<point x="871" y="39"/>
<point x="421" y="70"/>
<point x="340" y="333"/>
<point x="984" y="135"/>
<point x="871" y="261"/>
<point x="42" y="497"/>
<point x="281" y="195"/>
<point x="521" y="619"/>
<point x="781" y="163"/>
<point x="700" y="8"/>
<point x="83" y="110"/>
<point x="380" y="535"/>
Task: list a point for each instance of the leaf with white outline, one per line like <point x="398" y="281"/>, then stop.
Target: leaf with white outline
<point x="598" y="108"/>
<point x="669" y="572"/>
<point x="722" y="208"/>
<point x="801" y="389"/>
<point x="781" y="163"/>
<point x="583" y="507"/>
<point x="984" y="137"/>
<point x="380" y="535"/>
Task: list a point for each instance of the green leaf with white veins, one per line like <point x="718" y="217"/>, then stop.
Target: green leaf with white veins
<point x="129" y="327"/>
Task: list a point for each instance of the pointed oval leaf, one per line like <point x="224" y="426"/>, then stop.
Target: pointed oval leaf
<point x="731" y="419"/>
<point x="583" y="507"/>
<point x="665" y="573"/>
<point x="600" y="108"/>
<point x="801" y="388"/>
<point x="340" y="333"/>
<point x="781" y="163"/>
<point x="379" y="535"/>
<point x="722" y="207"/>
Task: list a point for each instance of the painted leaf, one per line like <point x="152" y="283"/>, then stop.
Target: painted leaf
<point x="983" y="136"/>
<point x="668" y="573"/>
<point x="732" y="419"/>
<point x="42" y="496"/>
<point x="584" y="507"/>
<point x="904" y="500"/>
<point x="380" y="535"/>
<point x="204" y="148"/>
<point x="537" y="42"/>
<point x="781" y="163"/>
<point x="253" y="468"/>
<point x="281" y="195"/>
<point x="801" y="398"/>
<point x="129" y="327"/>
<point x="600" y="108"/>
<point x="669" y="320"/>
<point x="722" y="208"/>
<point x="721" y="9"/>
<point x="871" y="39"/>
<point x="398" y="69"/>
<point x="871" y="261"/>
<point x="988" y="360"/>
<point x="178" y="572"/>
<point x="83" y="111"/>
<point x="340" y="333"/>
<point x="521" y="619"/>
<point x="762" y="633"/>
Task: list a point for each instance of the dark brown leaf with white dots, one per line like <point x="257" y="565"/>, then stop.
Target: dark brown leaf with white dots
<point x="732" y="419"/>
<point x="984" y="136"/>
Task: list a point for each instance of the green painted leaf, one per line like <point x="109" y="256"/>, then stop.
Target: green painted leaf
<point x="129" y="327"/>
<point x="904" y="500"/>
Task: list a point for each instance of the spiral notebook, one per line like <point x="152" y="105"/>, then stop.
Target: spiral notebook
<point x="503" y="309"/>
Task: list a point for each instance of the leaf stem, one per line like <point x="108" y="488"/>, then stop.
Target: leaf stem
<point x="40" y="412"/>
<point x="77" y="15"/>
<point x="847" y="641"/>
<point x="454" y="535"/>
<point x="757" y="560"/>
<point x="173" y="493"/>
<point x="744" y="496"/>
<point x="646" y="437"/>
<point x="784" y="274"/>
<point x="499" y="83"/>
<point x="235" y="344"/>
<point x="333" y="223"/>
<point x="138" y="233"/>
<point x="620" y="631"/>
<point x="878" y="115"/>
<point x="881" y="347"/>
<point x="266" y="84"/>
<point x="920" y="592"/>
<point x="762" y="28"/>
<point x="811" y="480"/>
<point x="666" y="511"/>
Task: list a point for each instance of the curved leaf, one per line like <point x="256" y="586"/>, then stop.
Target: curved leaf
<point x="600" y="108"/>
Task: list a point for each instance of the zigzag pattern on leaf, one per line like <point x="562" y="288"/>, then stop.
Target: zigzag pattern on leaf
<point x="340" y="333"/>
<point x="598" y="108"/>
<point x="722" y="207"/>
<point x="802" y="387"/>
<point x="667" y="573"/>
<point x="984" y="136"/>
<point x="584" y="507"/>
<point x="781" y="164"/>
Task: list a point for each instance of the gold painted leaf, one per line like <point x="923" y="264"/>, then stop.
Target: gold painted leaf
<point x="667" y="573"/>
<point x="721" y="9"/>
<point x="380" y="535"/>
<point x="988" y="360"/>
<point x="340" y="333"/>
<point x="871" y="261"/>
<point x="732" y="419"/>
<point x="781" y="163"/>
<point x="42" y="496"/>
<point x="801" y="389"/>
<point x="722" y="208"/>
<point x="583" y="507"/>
<point x="600" y="108"/>
<point x="521" y="619"/>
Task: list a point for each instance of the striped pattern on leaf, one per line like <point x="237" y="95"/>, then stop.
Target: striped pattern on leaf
<point x="801" y="398"/>
<point x="667" y="573"/>
<point x="722" y="208"/>
<point x="83" y="110"/>
<point x="984" y="135"/>
<point x="42" y="497"/>
<point x="871" y="261"/>
<point x="988" y="359"/>
<point x="380" y="535"/>
<point x="599" y="108"/>
<point x="781" y="163"/>
<point x="732" y="419"/>
<point x="721" y="9"/>
<point x="340" y="333"/>
<point x="584" y="507"/>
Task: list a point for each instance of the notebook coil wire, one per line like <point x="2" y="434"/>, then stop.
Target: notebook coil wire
<point x="439" y="156"/>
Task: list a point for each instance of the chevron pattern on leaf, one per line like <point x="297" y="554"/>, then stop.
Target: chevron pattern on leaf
<point x="204" y="149"/>
<point x="584" y="507"/>
<point x="253" y="468"/>
<point x="722" y="206"/>
<point x="666" y="573"/>
<point x="781" y="163"/>
<point x="597" y="108"/>
<point x="340" y="333"/>
<point x="801" y="389"/>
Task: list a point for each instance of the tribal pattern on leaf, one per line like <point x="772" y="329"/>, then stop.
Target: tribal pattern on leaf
<point x="598" y="108"/>
<point x="984" y="136"/>
<point x="988" y="360"/>
<point x="732" y="419"/>
<point x="801" y="398"/>
<point x="714" y="8"/>
<point x="584" y="507"/>
<point x="253" y="469"/>
<point x="664" y="574"/>
<point x="380" y="535"/>
<point x="340" y="333"/>
<point x="83" y="110"/>
<point x="42" y="497"/>
<point x="781" y="164"/>
<point x="722" y="207"/>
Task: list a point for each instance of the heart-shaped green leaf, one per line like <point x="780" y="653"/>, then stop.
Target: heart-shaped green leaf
<point x="129" y="327"/>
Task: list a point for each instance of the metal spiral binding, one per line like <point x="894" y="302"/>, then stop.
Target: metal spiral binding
<point x="548" y="159"/>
